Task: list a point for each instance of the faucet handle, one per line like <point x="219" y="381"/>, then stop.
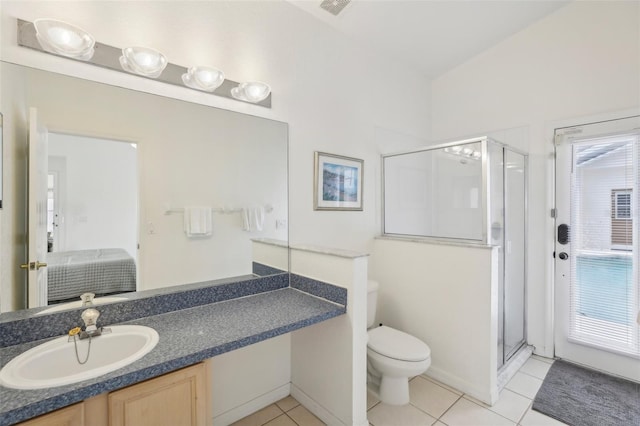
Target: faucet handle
<point x="90" y="318"/>
<point x="87" y="299"/>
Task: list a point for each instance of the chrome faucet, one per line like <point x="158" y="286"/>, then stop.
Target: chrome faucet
<point x="90" y="318"/>
<point x="87" y="299"/>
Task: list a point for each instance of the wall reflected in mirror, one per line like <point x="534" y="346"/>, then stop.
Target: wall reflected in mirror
<point x="187" y="155"/>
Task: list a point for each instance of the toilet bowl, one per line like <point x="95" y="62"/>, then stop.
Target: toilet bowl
<point x="392" y="358"/>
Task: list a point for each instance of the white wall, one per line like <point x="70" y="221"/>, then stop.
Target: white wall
<point x="447" y="296"/>
<point x="100" y="193"/>
<point x="250" y="378"/>
<point x="329" y="359"/>
<point x="583" y="60"/>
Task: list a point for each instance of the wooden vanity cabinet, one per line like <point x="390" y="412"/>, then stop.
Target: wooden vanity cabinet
<point x="180" y="398"/>
<point x="72" y="415"/>
<point x="90" y="412"/>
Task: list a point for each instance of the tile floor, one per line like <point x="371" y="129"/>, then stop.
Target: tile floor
<point x="433" y="403"/>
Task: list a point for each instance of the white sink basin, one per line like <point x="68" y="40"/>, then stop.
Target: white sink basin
<point x="54" y="363"/>
<point x="78" y="304"/>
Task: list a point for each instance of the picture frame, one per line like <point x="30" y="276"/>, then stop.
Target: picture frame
<point x="338" y="182"/>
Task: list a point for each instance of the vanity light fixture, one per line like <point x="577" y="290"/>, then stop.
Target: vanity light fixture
<point x="251" y="91"/>
<point x="203" y="78"/>
<point x="144" y="61"/>
<point x="64" y="39"/>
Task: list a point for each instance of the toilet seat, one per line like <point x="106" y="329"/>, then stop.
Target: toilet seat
<point x="397" y="345"/>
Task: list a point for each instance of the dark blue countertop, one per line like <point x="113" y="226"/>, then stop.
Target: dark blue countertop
<point x="187" y="336"/>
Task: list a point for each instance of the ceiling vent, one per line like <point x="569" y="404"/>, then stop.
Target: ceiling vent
<point x="334" y="6"/>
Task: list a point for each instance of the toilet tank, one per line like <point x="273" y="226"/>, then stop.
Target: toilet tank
<point x="372" y="300"/>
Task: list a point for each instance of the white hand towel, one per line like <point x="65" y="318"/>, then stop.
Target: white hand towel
<point x="246" y="225"/>
<point x="258" y="218"/>
<point x="253" y="219"/>
<point x="197" y="221"/>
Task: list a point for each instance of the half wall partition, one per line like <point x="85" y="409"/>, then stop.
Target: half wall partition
<point x="467" y="192"/>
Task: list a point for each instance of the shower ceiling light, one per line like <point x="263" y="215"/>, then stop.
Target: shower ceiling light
<point x="203" y="78"/>
<point x="251" y="91"/>
<point x="64" y="39"/>
<point x="143" y="61"/>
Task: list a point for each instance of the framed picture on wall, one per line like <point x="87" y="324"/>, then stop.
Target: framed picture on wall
<point x="337" y="182"/>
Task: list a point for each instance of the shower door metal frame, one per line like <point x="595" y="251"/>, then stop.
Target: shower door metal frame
<point x="485" y="201"/>
<point x="516" y="348"/>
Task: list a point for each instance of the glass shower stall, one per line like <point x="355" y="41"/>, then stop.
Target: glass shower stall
<point x="472" y="192"/>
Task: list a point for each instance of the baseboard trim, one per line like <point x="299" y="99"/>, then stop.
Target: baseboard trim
<point x="252" y="406"/>
<point x="318" y="410"/>
<point x="488" y="396"/>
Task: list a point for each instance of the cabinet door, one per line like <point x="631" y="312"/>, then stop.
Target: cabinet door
<point x="175" y="399"/>
<point x="72" y="415"/>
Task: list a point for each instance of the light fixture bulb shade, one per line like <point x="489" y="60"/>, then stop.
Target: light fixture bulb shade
<point x="251" y="91"/>
<point x="143" y="61"/>
<point x="64" y="39"/>
<point x="203" y="78"/>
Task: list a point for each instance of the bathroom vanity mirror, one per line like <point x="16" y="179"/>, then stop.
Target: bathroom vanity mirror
<point x="188" y="156"/>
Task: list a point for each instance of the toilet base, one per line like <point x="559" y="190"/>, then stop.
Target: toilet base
<point x="394" y="390"/>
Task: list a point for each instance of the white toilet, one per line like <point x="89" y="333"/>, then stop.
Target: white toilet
<point x="392" y="356"/>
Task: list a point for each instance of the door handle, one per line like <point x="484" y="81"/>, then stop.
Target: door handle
<point x="33" y="266"/>
<point x="563" y="234"/>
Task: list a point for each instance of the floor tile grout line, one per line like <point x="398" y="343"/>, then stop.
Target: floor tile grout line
<point x="292" y="419"/>
<point x="489" y="408"/>
<point x="447" y="410"/>
<point x="422" y="411"/>
<point x="531" y="375"/>
<point x="529" y="408"/>
<point x="521" y="394"/>
<point x="275" y="405"/>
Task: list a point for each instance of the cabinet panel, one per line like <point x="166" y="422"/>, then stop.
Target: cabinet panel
<point x="175" y="399"/>
<point x="72" y="415"/>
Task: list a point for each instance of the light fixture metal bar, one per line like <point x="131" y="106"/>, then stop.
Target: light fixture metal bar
<point x="106" y="56"/>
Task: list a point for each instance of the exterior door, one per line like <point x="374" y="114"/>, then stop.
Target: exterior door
<point x="37" y="211"/>
<point x="596" y="250"/>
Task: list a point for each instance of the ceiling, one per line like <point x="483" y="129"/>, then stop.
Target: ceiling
<point x="433" y="35"/>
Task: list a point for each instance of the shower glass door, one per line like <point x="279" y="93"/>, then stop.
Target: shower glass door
<point x="514" y="251"/>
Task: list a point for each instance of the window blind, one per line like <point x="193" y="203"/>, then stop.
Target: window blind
<point x="604" y="288"/>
